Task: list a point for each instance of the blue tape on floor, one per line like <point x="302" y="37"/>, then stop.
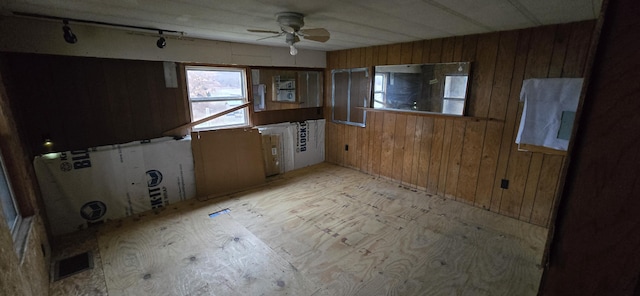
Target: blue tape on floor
<point x="212" y="215"/>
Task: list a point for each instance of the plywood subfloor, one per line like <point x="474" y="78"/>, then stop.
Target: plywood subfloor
<point x="323" y="230"/>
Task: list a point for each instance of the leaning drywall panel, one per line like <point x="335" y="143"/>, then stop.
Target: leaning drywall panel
<point x="110" y="182"/>
<point x="227" y="161"/>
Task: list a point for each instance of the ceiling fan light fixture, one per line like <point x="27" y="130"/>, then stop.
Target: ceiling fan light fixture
<point x="293" y="50"/>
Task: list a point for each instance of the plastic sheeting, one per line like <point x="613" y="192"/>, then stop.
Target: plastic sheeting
<point x="110" y="182"/>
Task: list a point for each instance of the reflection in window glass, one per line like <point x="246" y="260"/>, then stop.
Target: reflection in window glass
<point x="455" y="87"/>
<point x="455" y="91"/>
<point x="379" y="91"/>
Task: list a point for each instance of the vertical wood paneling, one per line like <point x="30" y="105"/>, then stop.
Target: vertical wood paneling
<point x="455" y="154"/>
<point x="406" y="52"/>
<point x="82" y="102"/>
<point x="424" y="159"/>
<point x="388" y="144"/>
<point x="474" y="136"/>
<point x="510" y="119"/>
<point x="398" y="147"/>
<point x="466" y="159"/>
<point x="409" y="141"/>
<point x="416" y="55"/>
<point x="436" y="155"/>
<point x="538" y="66"/>
<point x="376" y="144"/>
<point x="444" y="157"/>
<point x="417" y="151"/>
<point x="497" y="109"/>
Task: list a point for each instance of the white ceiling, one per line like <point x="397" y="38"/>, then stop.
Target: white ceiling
<point x="352" y="24"/>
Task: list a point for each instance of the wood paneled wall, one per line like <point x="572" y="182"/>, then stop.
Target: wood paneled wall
<point x="28" y="275"/>
<point x="84" y="102"/>
<point x="458" y="158"/>
<point x="595" y="250"/>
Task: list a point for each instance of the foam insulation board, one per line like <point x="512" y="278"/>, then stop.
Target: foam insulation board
<point x="88" y="186"/>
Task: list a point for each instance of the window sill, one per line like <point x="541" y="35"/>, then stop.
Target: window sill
<point x="431" y="114"/>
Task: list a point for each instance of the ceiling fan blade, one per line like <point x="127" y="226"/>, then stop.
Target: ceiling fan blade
<point x="274" y="36"/>
<point x="319" y="34"/>
<point x="317" y="38"/>
<point x="263" y="31"/>
<point x="315" y="32"/>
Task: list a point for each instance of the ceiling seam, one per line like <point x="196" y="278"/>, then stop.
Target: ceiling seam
<point x="458" y="14"/>
<point x="525" y="12"/>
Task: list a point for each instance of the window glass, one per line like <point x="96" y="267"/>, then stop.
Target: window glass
<point x="213" y="90"/>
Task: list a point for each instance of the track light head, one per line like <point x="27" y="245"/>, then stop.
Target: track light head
<point x="161" y="43"/>
<point x="69" y="37"/>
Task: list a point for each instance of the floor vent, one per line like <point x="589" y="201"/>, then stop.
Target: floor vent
<point x="72" y="265"/>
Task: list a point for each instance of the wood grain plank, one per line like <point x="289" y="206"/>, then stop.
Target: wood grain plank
<point x="340" y="142"/>
<point x="417" y="151"/>
<point x="448" y="49"/>
<point x="535" y="166"/>
<point x="444" y="156"/>
<point x="547" y="188"/>
<point x="376" y="146"/>
<point x="435" y="53"/>
<point x="351" y="139"/>
<point x="435" y="157"/>
<point x="457" y="51"/>
<point x="511" y="117"/>
<point x="388" y="139"/>
<point x="394" y="54"/>
<point x="406" y="52"/>
<point x="382" y="55"/>
<point x="497" y="109"/>
<point x="417" y="50"/>
<point x="399" y="147"/>
<point x="538" y="65"/>
<point x="426" y="51"/>
<point x="424" y="162"/>
<point x="457" y="141"/>
<point x="409" y="141"/>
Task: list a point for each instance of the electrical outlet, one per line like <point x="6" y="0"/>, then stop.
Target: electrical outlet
<point x="504" y="184"/>
<point x="346" y="147"/>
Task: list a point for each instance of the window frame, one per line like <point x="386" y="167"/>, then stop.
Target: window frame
<point x="366" y="101"/>
<point x="14" y="228"/>
<point x="244" y="97"/>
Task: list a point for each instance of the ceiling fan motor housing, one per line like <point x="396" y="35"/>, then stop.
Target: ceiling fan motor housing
<point x="292" y="20"/>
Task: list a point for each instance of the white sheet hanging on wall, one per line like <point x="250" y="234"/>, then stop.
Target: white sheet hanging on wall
<point x="544" y="102"/>
<point x="110" y="182"/>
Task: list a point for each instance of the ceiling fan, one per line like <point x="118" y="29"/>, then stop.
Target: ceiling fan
<point x="291" y="24"/>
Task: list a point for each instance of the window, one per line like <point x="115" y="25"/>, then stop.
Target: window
<point x="350" y="95"/>
<point x="213" y="90"/>
<point x="380" y="91"/>
<point x="455" y="90"/>
<point x="9" y="208"/>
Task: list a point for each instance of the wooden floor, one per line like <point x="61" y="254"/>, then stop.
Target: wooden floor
<point x="323" y="230"/>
